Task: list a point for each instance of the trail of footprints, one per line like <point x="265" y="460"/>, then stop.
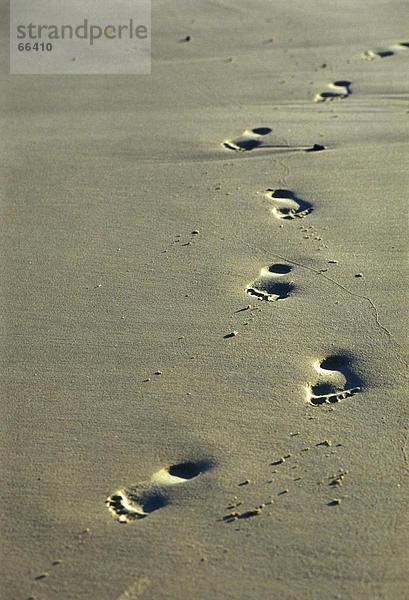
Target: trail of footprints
<point x="334" y="378"/>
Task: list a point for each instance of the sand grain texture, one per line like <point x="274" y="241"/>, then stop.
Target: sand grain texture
<point x="130" y="234"/>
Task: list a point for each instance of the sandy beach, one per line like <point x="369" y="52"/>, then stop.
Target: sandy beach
<point x="205" y="290"/>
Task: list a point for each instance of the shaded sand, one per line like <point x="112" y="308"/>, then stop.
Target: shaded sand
<point x="117" y="363"/>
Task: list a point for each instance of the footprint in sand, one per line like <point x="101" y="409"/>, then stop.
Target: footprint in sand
<point x="338" y="90"/>
<point x="335" y="380"/>
<point x="250" y="139"/>
<point x="286" y="205"/>
<point x="385" y="52"/>
<point x="268" y="285"/>
<point x="137" y="502"/>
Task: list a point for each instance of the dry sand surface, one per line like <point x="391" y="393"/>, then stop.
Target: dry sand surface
<point x="205" y="312"/>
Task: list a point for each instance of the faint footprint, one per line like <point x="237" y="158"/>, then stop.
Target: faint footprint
<point x="339" y="89"/>
<point x="385" y="52"/>
<point x="336" y="380"/>
<point x="140" y="500"/>
<point x="268" y="287"/>
<point x="250" y="139"/>
<point x="287" y="205"/>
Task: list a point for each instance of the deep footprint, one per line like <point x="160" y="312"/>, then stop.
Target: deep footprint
<point x="287" y="205"/>
<point x="339" y="89"/>
<point x="267" y="288"/>
<point x="128" y="505"/>
<point x="250" y="139"/>
<point x="336" y="381"/>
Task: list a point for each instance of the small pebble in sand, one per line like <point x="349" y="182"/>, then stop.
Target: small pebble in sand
<point x="56" y="562"/>
<point x="186" y="39"/>
<point x="326" y="443"/>
<point x="245" y="482"/>
<point x="359" y="274"/>
<point x="278" y="462"/>
<point x="282" y="493"/>
<point x="316" y="148"/>
<point x="195" y="232"/>
<point x="333" y="262"/>
<point x="158" y="373"/>
<point x="42" y="576"/>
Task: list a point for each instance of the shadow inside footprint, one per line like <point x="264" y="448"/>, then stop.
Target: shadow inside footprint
<point x="337" y="380"/>
<point x="286" y="205"/>
<point x="326" y="96"/>
<point x="280" y="269"/>
<point x="189" y="470"/>
<point x="181" y="472"/>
